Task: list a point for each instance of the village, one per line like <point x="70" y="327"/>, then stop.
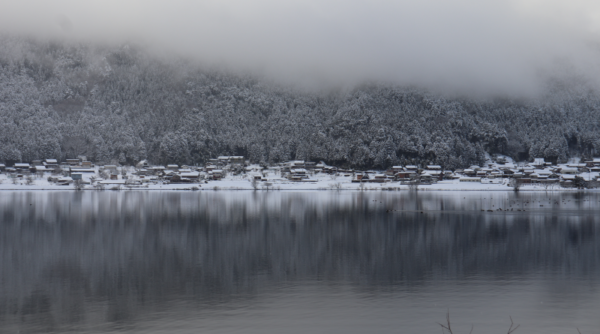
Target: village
<point x="237" y="173"/>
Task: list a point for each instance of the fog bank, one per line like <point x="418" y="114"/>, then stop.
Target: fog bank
<point x="501" y="46"/>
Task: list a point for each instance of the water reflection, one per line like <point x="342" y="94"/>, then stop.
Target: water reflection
<point x="75" y="260"/>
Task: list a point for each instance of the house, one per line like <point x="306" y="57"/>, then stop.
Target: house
<point x="111" y="168"/>
<point x="2" y="168"/>
<point x="298" y="174"/>
<point x="21" y="167"/>
<point x="192" y="176"/>
<point x="397" y="169"/>
<point x="64" y="181"/>
<point x="237" y="160"/>
<point x="86" y="164"/>
<point x="434" y="167"/>
<point x="81" y="170"/>
<point x="297" y="164"/>
<point x="405" y="175"/>
<point x="156" y="170"/>
<point x="470" y="172"/>
<point x="73" y="162"/>
<point x="568" y="171"/>
<point x="51" y="164"/>
<point x="173" y="167"/>
<point x="470" y="179"/>
<point x="568" y="177"/>
<point x="538" y="163"/>
<point x="216" y="174"/>
<point x="255" y="176"/>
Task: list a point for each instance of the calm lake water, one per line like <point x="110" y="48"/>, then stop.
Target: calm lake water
<point x="298" y="262"/>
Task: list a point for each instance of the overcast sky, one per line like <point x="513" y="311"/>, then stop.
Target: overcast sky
<point x="499" y="44"/>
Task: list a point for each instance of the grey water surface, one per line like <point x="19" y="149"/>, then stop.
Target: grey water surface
<point x="298" y="262"/>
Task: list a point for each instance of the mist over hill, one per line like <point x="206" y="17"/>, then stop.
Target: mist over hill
<point x="123" y="104"/>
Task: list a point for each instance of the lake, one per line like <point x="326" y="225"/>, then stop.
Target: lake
<point x="298" y="262"/>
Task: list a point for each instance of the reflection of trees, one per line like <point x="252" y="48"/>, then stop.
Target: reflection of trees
<point x="60" y="251"/>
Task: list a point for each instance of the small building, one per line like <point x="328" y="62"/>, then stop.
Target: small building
<point x="81" y="170"/>
<point x="86" y="164"/>
<point x="51" y="164"/>
<point x="569" y="171"/>
<point x="538" y="163"/>
<point x="73" y="162"/>
<point x="216" y="174"/>
<point x="110" y="168"/>
<point x="470" y="179"/>
<point x="310" y="165"/>
<point x="21" y="167"/>
<point x="192" y="176"/>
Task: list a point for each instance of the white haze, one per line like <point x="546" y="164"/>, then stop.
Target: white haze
<point x="506" y="47"/>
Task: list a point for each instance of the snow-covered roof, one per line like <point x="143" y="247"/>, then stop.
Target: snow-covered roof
<point x="567" y="177"/>
<point x="190" y="174"/>
<point x="434" y="167"/>
<point x="411" y="167"/>
<point x="397" y="167"/>
<point x="82" y="170"/>
<point x="21" y="165"/>
<point x="51" y="161"/>
<point x="568" y="170"/>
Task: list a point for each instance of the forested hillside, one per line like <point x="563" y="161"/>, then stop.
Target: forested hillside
<point x="122" y="104"/>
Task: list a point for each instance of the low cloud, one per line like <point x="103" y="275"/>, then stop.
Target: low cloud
<point x="490" y="45"/>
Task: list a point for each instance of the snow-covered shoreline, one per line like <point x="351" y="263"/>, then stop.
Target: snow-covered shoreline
<point x="339" y="184"/>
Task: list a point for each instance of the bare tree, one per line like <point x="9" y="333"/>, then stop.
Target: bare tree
<point x="414" y="185"/>
<point x="516" y="184"/>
